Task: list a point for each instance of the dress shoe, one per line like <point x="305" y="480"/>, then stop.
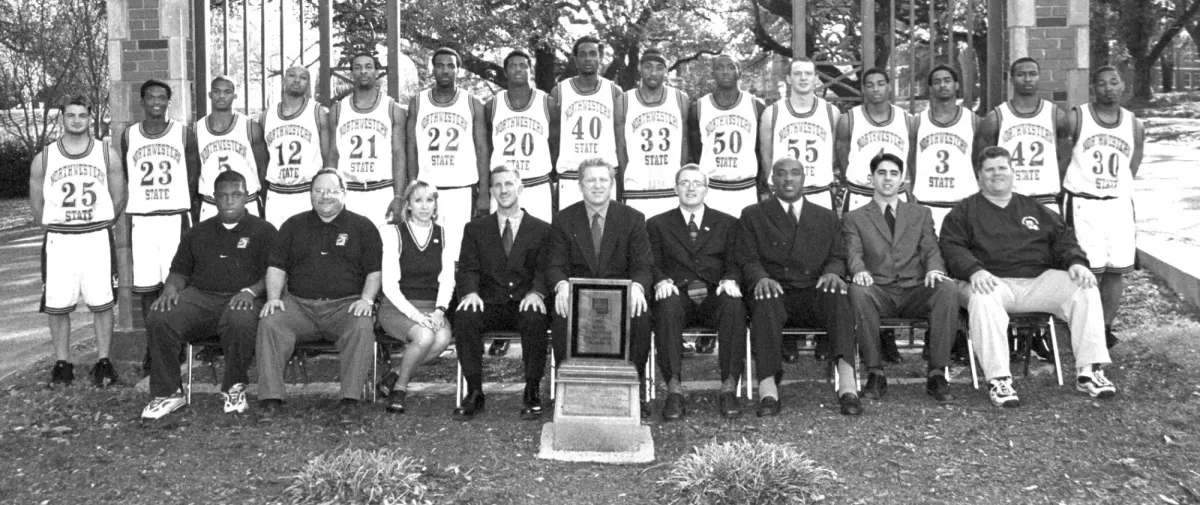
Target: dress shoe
<point x="395" y="401"/>
<point x="385" y="385"/>
<point x="822" y="352"/>
<point x="728" y="406"/>
<point x="851" y="405"/>
<point x="790" y="354"/>
<point x="876" y="386"/>
<point x="471" y="405"/>
<point x="1110" y="338"/>
<point x="688" y="349"/>
<point x="498" y="348"/>
<point x="532" y="401"/>
<point x="939" y="389"/>
<point x="768" y="406"/>
<point x="269" y="410"/>
<point x="887" y="346"/>
<point x="645" y="409"/>
<point x="348" y="412"/>
<point x="674" y="408"/>
<point x="706" y="345"/>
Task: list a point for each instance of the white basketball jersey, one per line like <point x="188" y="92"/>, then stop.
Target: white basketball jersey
<point x="805" y="136"/>
<point x="586" y="125"/>
<point x="157" y="170"/>
<point x="653" y="140"/>
<point x="364" y="140"/>
<point x="1030" y="139"/>
<point x="293" y="145"/>
<point x="226" y="151"/>
<point x="1100" y="159"/>
<point x="445" y="145"/>
<point x="944" y="170"/>
<point x="76" y="189"/>
<point x="520" y="138"/>
<point x="869" y="139"/>
<point x="730" y="136"/>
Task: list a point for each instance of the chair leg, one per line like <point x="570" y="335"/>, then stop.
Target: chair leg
<point x="650" y="371"/>
<point x="1054" y="345"/>
<point x="971" y="362"/>
<point x="749" y="369"/>
<point x="458" y="386"/>
<point x="553" y="373"/>
<point x="188" y="387"/>
<point x="370" y="385"/>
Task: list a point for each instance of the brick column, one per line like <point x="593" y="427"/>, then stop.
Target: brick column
<point x="1054" y="32"/>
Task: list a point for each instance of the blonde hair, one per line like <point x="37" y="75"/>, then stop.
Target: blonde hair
<point x="411" y="190"/>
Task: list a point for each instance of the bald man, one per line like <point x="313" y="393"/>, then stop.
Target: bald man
<point x="297" y="143"/>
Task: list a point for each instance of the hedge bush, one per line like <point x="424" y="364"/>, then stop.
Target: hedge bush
<point x="14" y="169"/>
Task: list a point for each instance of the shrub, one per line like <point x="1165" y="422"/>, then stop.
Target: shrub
<point x="360" y="476"/>
<point x="747" y="472"/>
<point x="14" y="168"/>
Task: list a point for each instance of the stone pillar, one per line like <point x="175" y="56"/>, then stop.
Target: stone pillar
<point x="1054" y="32"/>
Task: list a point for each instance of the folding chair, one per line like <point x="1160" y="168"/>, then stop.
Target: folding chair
<point x="209" y="341"/>
<point x="1038" y="321"/>
<point x="303" y="349"/>
<point x="460" y="384"/>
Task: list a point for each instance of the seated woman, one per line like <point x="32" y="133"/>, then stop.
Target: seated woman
<point x="418" y="280"/>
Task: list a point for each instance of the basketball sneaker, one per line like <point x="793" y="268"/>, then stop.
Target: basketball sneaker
<point x="1095" y="384"/>
<point x="63" y="373"/>
<point x="103" y="374"/>
<point x="162" y="405"/>
<point x="235" y="399"/>
<point x="1003" y="394"/>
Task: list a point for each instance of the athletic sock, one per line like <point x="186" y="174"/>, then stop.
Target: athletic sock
<point x="766" y="388"/>
<point x="674" y="385"/>
<point x="846" y="378"/>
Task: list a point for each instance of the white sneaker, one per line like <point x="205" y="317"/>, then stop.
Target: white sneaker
<point x="160" y="406"/>
<point x="1003" y="394"/>
<point x="235" y="399"/>
<point x="1095" y="384"/>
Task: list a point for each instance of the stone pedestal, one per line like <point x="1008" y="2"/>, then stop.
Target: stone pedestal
<point x="597" y="415"/>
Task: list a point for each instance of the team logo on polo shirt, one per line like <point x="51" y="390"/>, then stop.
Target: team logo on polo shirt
<point x="341" y="239"/>
<point x="1030" y="222"/>
<point x="243" y="242"/>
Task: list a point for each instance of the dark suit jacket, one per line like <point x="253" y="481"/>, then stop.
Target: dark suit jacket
<point x="901" y="259"/>
<point x="483" y="267"/>
<point x="770" y="245"/>
<point x="710" y="259"/>
<point x="624" y="250"/>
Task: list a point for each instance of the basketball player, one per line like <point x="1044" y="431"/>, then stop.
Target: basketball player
<point x="590" y="111"/>
<point x="449" y="147"/>
<point x="1035" y="133"/>
<point x="369" y="144"/>
<point x="1099" y="187"/>
<point x="76" y="193"/>
<point x="297" y="144"/>
<point x="228" y="140"/>
<point x="724" y="136"/>
<point x="656" y="121"/>
<point x="801" y="127"/>
<point x="868" y="130"/>
<point x="518" y="121"/>
<point x="941" y="157"/>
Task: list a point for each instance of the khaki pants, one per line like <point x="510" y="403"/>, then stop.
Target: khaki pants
<point x="306" y="320"/>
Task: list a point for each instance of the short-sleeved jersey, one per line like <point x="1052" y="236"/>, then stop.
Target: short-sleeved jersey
<point x="805" y="136"/>
<point x="229" y="150"/>
<point x="294" y="146"/>
<point x="944" y="170"/>
<point x="75" y="189"/>
<point x="1030" y="139"/>
<point x="868" y="139"/>
<point x="520" y="138"/>
<point x="1100" y="159"/>
<point x="653" y="140"/>
<point x="156" y="170"/>
<point x="586" y="125"/>
<point x="729" y="136"/>
<point x="445" y="144"/>
<point x="364" y="140"/>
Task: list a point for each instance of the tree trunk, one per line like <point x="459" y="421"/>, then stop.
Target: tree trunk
<point x="1142" y="90"/>
<point x="543" y="71"/>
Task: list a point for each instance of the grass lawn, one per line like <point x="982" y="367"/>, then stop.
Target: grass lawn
<point x="15" y="213"/>
<point x="83" y="444"/>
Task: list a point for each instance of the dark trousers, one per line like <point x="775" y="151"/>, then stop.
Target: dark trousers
<point x="639" y="344"/>
<point x="724" y="313"/>
<point x="799" y="308"/>
<point x="875" y="301"/>
<point x="198" y="315"/>
<point x="531" y="324"/>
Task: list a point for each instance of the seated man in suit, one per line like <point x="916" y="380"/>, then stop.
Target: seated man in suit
<point x="898" y="272"/>
<point x="503" y="291"/>
<point x="1020" y="256"/>
<point x="791" y="251"/>
<point x="696" y="284"/>
<point x="599" y="238"/>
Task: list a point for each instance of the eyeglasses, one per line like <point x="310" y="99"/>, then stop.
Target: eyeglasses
<point x="690" y="184"/>
<point x="328" y="192"/>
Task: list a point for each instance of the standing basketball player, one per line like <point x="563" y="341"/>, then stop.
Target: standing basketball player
<point x="590" y="111"/>
<point x="656" y="121"/>
<point x="1035" y="133"/>
<point x="228" y="140"/>
<point x="76" y="193"/>
<point x="723" y="127"/>
<point x="941" y="160"/>
<point x="873" y="128"/>
<point x="297" y="142"/>
<point x="1099" y="187"/>
<point x="369" y="150"/>
<point x="518" y="120"/>
<point x="801" y="127"/>
<point x="449" y="147"/>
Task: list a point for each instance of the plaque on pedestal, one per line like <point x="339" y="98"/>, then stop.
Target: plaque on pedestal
<point x="598" y="319"/>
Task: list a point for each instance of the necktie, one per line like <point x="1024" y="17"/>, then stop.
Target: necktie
<point x="507" y="238"/>
<point x="890" y="218"/>
<point x="597" y="234"/>
<point x="792" y="214"/>
<point x="693" y="230"/>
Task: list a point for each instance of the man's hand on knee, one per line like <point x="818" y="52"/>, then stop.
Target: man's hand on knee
<point x="1082" y="276"/>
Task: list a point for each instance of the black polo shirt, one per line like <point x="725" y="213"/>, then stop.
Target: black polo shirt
<point x="220" y="260"/>
<point x="327" y="260"/>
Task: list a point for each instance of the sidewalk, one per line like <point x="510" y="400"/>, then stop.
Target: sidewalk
<point x="1168" y="216"/>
